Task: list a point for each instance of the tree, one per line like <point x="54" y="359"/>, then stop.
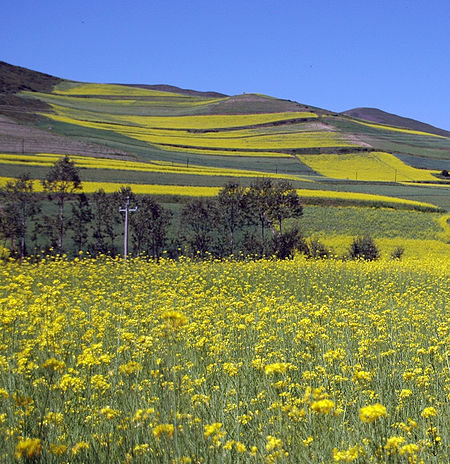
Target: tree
<point x="149" y="226"/>
<point x="60" y="183"/>
<point x="232" y="210"/>
<point x="104" y="222"/>
<point x="80" y="220"/>
<point x="20" y="205"/>
<point x="260" y="201"/>
<point x="197" y="223"/>
<point x="285" y="203"/>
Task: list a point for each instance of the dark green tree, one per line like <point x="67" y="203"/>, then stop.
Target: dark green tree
<point x="104" y="223"/>
<point x="260" y="202"/>
<point x="149" y="226"/>
<point x="232" y="211"/>
<point x="80" y="220"/>
<point x="198" y="218"/>
<point x="60" y="183"/>
<point x="20" y="204"/>
<point x="285" y="203"/>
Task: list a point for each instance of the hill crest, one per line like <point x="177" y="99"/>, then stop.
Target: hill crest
<point x="383" y="117"/>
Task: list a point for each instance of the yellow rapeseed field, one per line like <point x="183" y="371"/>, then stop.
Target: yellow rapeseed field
<point x="48" y="159"/>
<point x="372" y="166"/>
<point x="249" y="139"/>
<point x="252" y="362"/>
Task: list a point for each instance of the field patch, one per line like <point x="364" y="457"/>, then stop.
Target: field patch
<point x="371" y="166"/>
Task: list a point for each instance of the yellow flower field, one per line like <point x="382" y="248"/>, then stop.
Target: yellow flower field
<point x="396" y="129"/>
<point x="48" y="159"/>
<point x="198" y="191"/>
<point x="234" y="139"/>
<point x="371" y="166"/>
<point x="112" y="89"/>
<point x="252" y="362"/>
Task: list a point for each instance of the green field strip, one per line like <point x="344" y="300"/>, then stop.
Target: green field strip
<point x="377" y="222"/>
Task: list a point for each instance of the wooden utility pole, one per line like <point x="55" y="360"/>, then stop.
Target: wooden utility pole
<point x="126" y="210"/>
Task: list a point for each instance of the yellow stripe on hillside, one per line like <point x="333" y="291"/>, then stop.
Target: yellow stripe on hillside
<point x="355" y="196"/>
<point x="237" y="139"/>
<point x="114" y="90"/>
<point x="48" y="159"/>
<point x="371" y="166"/>
<point x="187" y="190"/>
<point x="397" y="129"/>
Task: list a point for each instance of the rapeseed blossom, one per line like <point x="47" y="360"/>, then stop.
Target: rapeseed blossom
<point x="269" y="360"/>
<point x="371" y="413"/>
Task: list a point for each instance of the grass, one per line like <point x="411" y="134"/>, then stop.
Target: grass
<point x="250" y="362"/>
<point x="377" y="222"/>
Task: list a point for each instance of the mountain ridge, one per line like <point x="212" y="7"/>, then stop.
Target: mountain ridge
<point x="15" y="79"/>
<point x="383" y="117"/>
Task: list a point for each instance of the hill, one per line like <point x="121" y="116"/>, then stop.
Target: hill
<point x="164" y="139"/>
<point x="382" y="117"/>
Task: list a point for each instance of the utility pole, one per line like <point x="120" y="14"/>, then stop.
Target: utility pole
<point x="126" y="210"/>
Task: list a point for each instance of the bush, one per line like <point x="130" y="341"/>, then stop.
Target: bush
<point x="364" y="248"/>
<point x="397" y="253"/>
<point x="317" y="250"/>
<point x="287" y="243"/>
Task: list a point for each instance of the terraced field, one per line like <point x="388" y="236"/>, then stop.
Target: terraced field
<point x="150" y="137"/>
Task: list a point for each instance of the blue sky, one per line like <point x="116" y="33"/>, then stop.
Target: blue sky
<point x="389" y="54"/>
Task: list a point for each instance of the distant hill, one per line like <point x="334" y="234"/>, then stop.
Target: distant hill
<point x="166" y="139"/>
<point x="382" y="117"/>
<point x="15" y="79"/>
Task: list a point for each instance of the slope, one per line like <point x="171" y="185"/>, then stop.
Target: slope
<point x="207" y="138"/>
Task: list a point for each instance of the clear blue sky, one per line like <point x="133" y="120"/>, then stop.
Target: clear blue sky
<point x="335" y="54"/>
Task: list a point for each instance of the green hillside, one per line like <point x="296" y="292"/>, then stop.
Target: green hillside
<point x="162" y="137"/>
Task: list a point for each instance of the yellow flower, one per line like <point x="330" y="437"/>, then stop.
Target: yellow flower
<point x="345" y="455"/>
<point x="240" y="447"/>
<point x="167" y="429"/>
<point x="109" y="413"/>
<point x="174" y="319"/>
<point x="81" y="445"/>
<point x="57" y="450"/>
<point x="212" y="428"/>
<point x="410" y="449"/>
<point x="130" y="367"/>
<point x="371" y="413"/>
<point x="429" y="412"/>
<point x="393" y="444"/>
<point x="28" y="448"/>
<point x="322" y="406"/>
<point x="231" y="368"/>
<point x="54" y="364"/>
<point x="273" y="443"/>
<point x="276" y="368"/>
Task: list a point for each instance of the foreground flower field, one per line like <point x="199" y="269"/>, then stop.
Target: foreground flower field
<point x="265" y="362"/>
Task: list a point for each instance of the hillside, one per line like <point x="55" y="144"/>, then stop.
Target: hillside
<point x="382" y="117"/>
<point x="164" y="139"/>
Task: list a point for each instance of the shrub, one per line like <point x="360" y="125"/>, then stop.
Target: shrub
<point x="288" y="242"/>
<point x="317" y="249"/>
<point x="364" y="248"/>
<point x="397" y="253"/>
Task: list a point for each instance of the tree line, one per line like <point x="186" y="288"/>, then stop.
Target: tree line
<point x="240" y="221"/>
